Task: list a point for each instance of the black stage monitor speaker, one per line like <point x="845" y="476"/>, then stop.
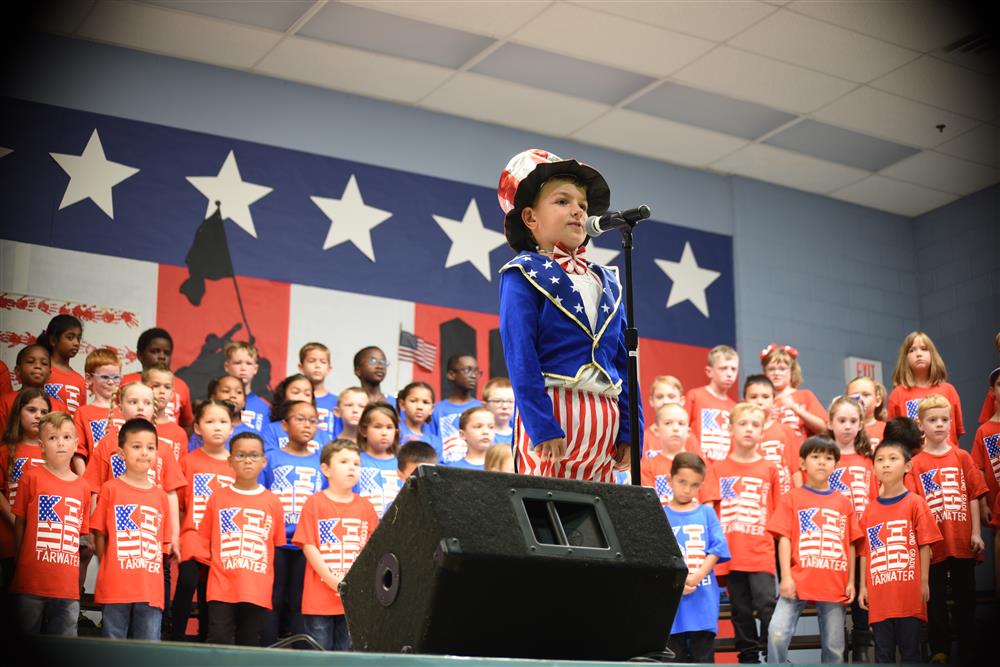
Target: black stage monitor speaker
<point x="490" y="564"/>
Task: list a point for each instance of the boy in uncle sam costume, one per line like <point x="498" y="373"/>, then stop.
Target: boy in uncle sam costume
<point x="562" y="324"/>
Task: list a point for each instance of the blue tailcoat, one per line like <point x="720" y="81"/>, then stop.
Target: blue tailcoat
<point x="546" y="333"/>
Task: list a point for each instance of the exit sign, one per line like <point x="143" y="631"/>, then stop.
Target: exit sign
<point x="855" y="366"/>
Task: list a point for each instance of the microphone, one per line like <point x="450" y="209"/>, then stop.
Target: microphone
<point x="597" y="225"/>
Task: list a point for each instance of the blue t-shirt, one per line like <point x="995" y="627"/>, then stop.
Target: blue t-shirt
<point x="698" y="533"/>
<point x="275" y="437"/>
<point x="378" y="481"/>
<point x="330" y="424"/>
<point x="462" y="463"/>
<point x="293" y="479"/>
<point x="504" y="438"/>
<point x="444" y="424"/>
<point x="195" y="442"/>
<point x="256" y="413"/>
<point x="406" y="435"/>
<point x="623" y="477"/>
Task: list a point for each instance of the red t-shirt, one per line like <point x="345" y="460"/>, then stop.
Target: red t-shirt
<point x="242" y="530"/>
<point x="895" y="529"/>
<point x="108" y="463"/>
<point x="136" y="523"/>
<point x="7" y="402"/>
<point x="903" y="402"/>
<point x="655" y="473"/>
<point x="651" y="444"/>
<point x="68" y="387"/>
<point x="948" y="482"/>
<point x="780" y="446"/>
<point x="205" y="475"/>
<point x="749" y="496"/>
<point x="339" y="531"/>
<point x="26" y="457"/>
<point x="709" y="418"/>
<point x="174" y="437"/>
<point x="986" y="455"/>
<point x="875" y="432"/>
<point x="56" y="513"/>
<point x="179" y="408"/>
<point x="986" y="414"/>
<point x="821" y="526"/>
<point x="91" y="424"/>
<point x="804" y="399"/>
<point x="854" y="477"/>
<point x="6" y="386"/>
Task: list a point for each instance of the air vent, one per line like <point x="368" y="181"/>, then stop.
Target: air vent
<point x="976" y="43"/>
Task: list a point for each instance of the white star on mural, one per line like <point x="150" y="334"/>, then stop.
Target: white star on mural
<point x="235" y="194"/>
<point x="599" y="255"/>
<point x="470" y="241"/>
<point x="351" y="219"/>
<point x="92" y="176"/>
<point x="689" y="280"/>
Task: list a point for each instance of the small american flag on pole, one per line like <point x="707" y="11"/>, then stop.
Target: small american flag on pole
<point x="415" y="349"/>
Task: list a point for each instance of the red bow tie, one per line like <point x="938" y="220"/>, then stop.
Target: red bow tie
<point x="572" y="261"/>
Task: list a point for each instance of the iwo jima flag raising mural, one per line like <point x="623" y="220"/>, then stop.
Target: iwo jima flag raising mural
<point x="303" y="247"/>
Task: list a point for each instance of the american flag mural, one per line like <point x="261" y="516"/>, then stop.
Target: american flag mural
<point x="137" y="529"/>
<point x="59" y="522"/>
<point x="319" y="248"/>
<point x="714" y="433"/>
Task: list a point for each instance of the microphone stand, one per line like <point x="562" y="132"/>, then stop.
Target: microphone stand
<point x="632" y="347"/>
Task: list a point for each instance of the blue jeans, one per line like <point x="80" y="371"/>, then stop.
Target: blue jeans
<point x="786" y="616"/>
<point x="330" y="632"/>
<point x="143" y="620"/>
<point x="47" y="616"/>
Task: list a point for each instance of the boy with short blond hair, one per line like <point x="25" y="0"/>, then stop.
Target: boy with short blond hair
<point x="665" y="389"/>
<point x="671" y="435"/>
<point x="947" y="478"/>
<point x="241" y="362"/>
<point x="498" y="396"/>
<point x="709" y="406"/>
<point x="315" y="364"/>
<point x="749" y="487"/>
<point x="160" y="379"/>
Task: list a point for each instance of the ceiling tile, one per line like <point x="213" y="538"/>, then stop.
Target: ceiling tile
<point x="895" y="118"/>
<point x="561" y="74"/>
<point x="501" y="102"/>
<point x="710" y="111"/>
<point x="63" y="16"/>
<point x="149" y="28"/>
<point x="485" y="17"/>
<point x="623" y="43"/>
<point x="980" y="145"/>
<point x="894" y="196"/>
<point x="657" y="138"/>
<point x="800" y="40"/>
<point x="717" y="21"/>
<point x="352" y="70"/>
<point x="921" y="25"/>
<point x="792" y="170"/>
<point x="393" y="35"/>
<point x="836" y="144"/>
<point x="944" y="85"/>
<point x="943" y="172"/>
<point x="763" y="80"/>
<point x="272" y="14"/>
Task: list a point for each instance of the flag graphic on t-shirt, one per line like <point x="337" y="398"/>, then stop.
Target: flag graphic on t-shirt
<point x="339" y="553"/>
<point x="243" y="535"/>
<point x="912" y="408"/>
<point x="98" y="429"/>
<point x="380" y="487"/>
<point x="21" y="466"/>
<point x="118" y="469"/>
<point x="691" y="540"/>
<point x="202" y="491"/>
<point x="820" y="533"/>
<point x="892" y="552"/>
<point x="137" y="529"/>
<point x="852" y="481"/>
<point x="744" y="506"/>
<point x="943" y="491"/>
<point x="55" y="532"/>
<point x="293" y="485"/>
<point x="992" y="443"/>
<point x="774" y="451"/>
<point x="453" y="447"/>
<point x="714" y="433"/>
<point x="663" y="490"/>
<point x="52" y="390"/>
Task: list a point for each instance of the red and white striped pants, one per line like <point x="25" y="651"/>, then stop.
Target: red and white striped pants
<point x="591" y="424"/>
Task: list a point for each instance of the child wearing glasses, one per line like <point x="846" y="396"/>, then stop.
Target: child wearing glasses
<point x="463" y="376"/>
<point x="499" y="398"/>
<point x="241" y="534"/>
<point x="103" y="375"/>
<point x="292" y="474"/>
<point x="293" y="388"/>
